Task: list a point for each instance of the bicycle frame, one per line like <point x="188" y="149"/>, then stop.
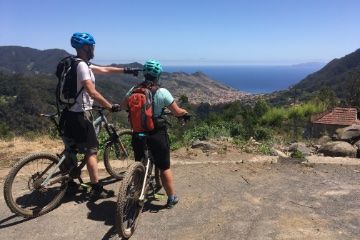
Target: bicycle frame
<point x="100" y="121"/>
<point x="45" y="183"/>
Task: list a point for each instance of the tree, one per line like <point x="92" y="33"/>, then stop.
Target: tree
<point x="261" y="107"/>
<point x="327" y="96"/>
<point x="353" y="98"/>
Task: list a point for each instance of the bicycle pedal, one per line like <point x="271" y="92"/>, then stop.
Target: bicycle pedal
<point x="85" y="187"/>
<point x="159" y="196"/>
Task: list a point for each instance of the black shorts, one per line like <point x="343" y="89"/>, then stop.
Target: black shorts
<point x="78" y="131"/>
<point x="159" y="146"/>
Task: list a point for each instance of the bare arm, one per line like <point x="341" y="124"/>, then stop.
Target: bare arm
<point x="105" y="70"/>
<point x="176" y="110"/>
<point x="90" y="89"/>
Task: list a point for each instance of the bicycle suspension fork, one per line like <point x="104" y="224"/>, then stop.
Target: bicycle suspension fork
<point x="147" y="168"/>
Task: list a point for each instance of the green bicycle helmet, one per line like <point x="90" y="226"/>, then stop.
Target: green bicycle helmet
<point x="152" y="68"/>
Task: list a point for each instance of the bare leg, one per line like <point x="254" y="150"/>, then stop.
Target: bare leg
<point x="92" y="167"/>
<point x="167" y="180"/>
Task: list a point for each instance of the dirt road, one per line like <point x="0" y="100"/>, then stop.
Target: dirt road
<point x="219" y="201"/>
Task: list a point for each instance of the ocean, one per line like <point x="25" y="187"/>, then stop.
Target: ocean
<point x="252" y="79"/>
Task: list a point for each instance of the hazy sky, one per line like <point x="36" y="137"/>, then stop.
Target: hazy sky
<point x="189" y="32"/>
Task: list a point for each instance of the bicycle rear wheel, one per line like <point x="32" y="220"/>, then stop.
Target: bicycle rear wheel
<point x="129" y="206"/>
<point x="23" y="192"/>
<point x="118" y="155"/>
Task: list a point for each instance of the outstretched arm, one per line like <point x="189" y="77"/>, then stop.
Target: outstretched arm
<point x="105" y="70"/>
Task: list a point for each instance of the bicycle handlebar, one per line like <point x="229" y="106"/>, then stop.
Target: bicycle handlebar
<point x="183" y="119"/>
<point x="52" y="115"/>
<point x="100" y="109"/>
<point x="186" y="117"/>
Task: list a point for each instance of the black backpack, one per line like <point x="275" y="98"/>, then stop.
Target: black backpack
<point x="66" y="89"/>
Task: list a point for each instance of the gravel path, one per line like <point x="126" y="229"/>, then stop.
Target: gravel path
<point x="219" y="201"/>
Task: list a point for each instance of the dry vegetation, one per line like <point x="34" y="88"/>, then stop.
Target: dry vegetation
<point x="14" y="149"/>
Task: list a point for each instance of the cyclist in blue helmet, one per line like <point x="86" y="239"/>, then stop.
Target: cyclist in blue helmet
<point x="78" y="127"/>
<point x="158" y="139"/>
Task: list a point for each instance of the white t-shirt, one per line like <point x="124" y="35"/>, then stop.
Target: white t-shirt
<point x="83" y="102"/>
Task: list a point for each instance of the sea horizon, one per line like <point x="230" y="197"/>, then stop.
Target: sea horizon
<point x="254" y="79"/>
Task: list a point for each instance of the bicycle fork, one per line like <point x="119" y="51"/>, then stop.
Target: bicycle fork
<point x="142" y="195"/>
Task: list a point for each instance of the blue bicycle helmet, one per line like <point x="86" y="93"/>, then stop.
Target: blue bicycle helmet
<point x="78" y="40"/>
<point x="153" y="68"/>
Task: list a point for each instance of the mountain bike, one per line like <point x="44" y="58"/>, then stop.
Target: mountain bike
<point x="134" y="189"/>
<point x="37" y="183"/>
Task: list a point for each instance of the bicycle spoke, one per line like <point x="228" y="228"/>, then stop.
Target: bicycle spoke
<point x="25" y="193"/>
<point x="118" y="154"/>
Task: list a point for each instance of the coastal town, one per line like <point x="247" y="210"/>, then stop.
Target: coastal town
<point x="199" y="88"/>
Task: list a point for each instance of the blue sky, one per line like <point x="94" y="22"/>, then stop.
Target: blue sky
<point x="189" y="32"/>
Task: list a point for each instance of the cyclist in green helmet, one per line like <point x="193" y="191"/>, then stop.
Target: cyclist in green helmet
<point x="158" y="139"/>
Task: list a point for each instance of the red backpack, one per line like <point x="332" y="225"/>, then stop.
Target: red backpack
<point x="141" y="108"/>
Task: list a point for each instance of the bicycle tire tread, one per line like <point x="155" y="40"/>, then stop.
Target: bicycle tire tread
<point x="122" y="196"/>
<point x="9" y="181"/>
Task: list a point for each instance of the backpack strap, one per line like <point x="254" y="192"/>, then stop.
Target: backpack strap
<point x="74" y="63"/>
<point x="77" y="60"/>
<point x="153" y="90"/>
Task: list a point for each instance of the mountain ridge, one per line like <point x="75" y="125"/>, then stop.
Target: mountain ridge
<point x="199" y="87"/>
<point x="340" y="75"/>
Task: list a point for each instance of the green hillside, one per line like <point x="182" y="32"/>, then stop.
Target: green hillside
<point x="27" y="87"/>
<point x="342" y="76"/>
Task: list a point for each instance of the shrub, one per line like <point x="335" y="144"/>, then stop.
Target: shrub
<point x="4" y="130"/>
<point x="261" y="133"/>
<point x="238" y="131"/>
<point x="102" y="137"/>
<point x="265" y="149"/>
<point x="176" y="141"/>
<point x="274" y="117"/>
<point x="297" y="154"/>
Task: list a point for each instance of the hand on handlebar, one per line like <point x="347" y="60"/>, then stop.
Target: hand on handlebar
<point x="116" y="107"/>
<point x="133" y="71"/>
<point x="184" y="119"/>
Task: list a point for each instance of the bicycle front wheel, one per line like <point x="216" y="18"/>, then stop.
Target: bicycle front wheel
<point x="118" y="155"/>
<point x="23" y="192"/>
<point x="129" y="206"/>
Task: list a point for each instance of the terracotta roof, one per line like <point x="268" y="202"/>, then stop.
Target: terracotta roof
<point x="337" y="116"/>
